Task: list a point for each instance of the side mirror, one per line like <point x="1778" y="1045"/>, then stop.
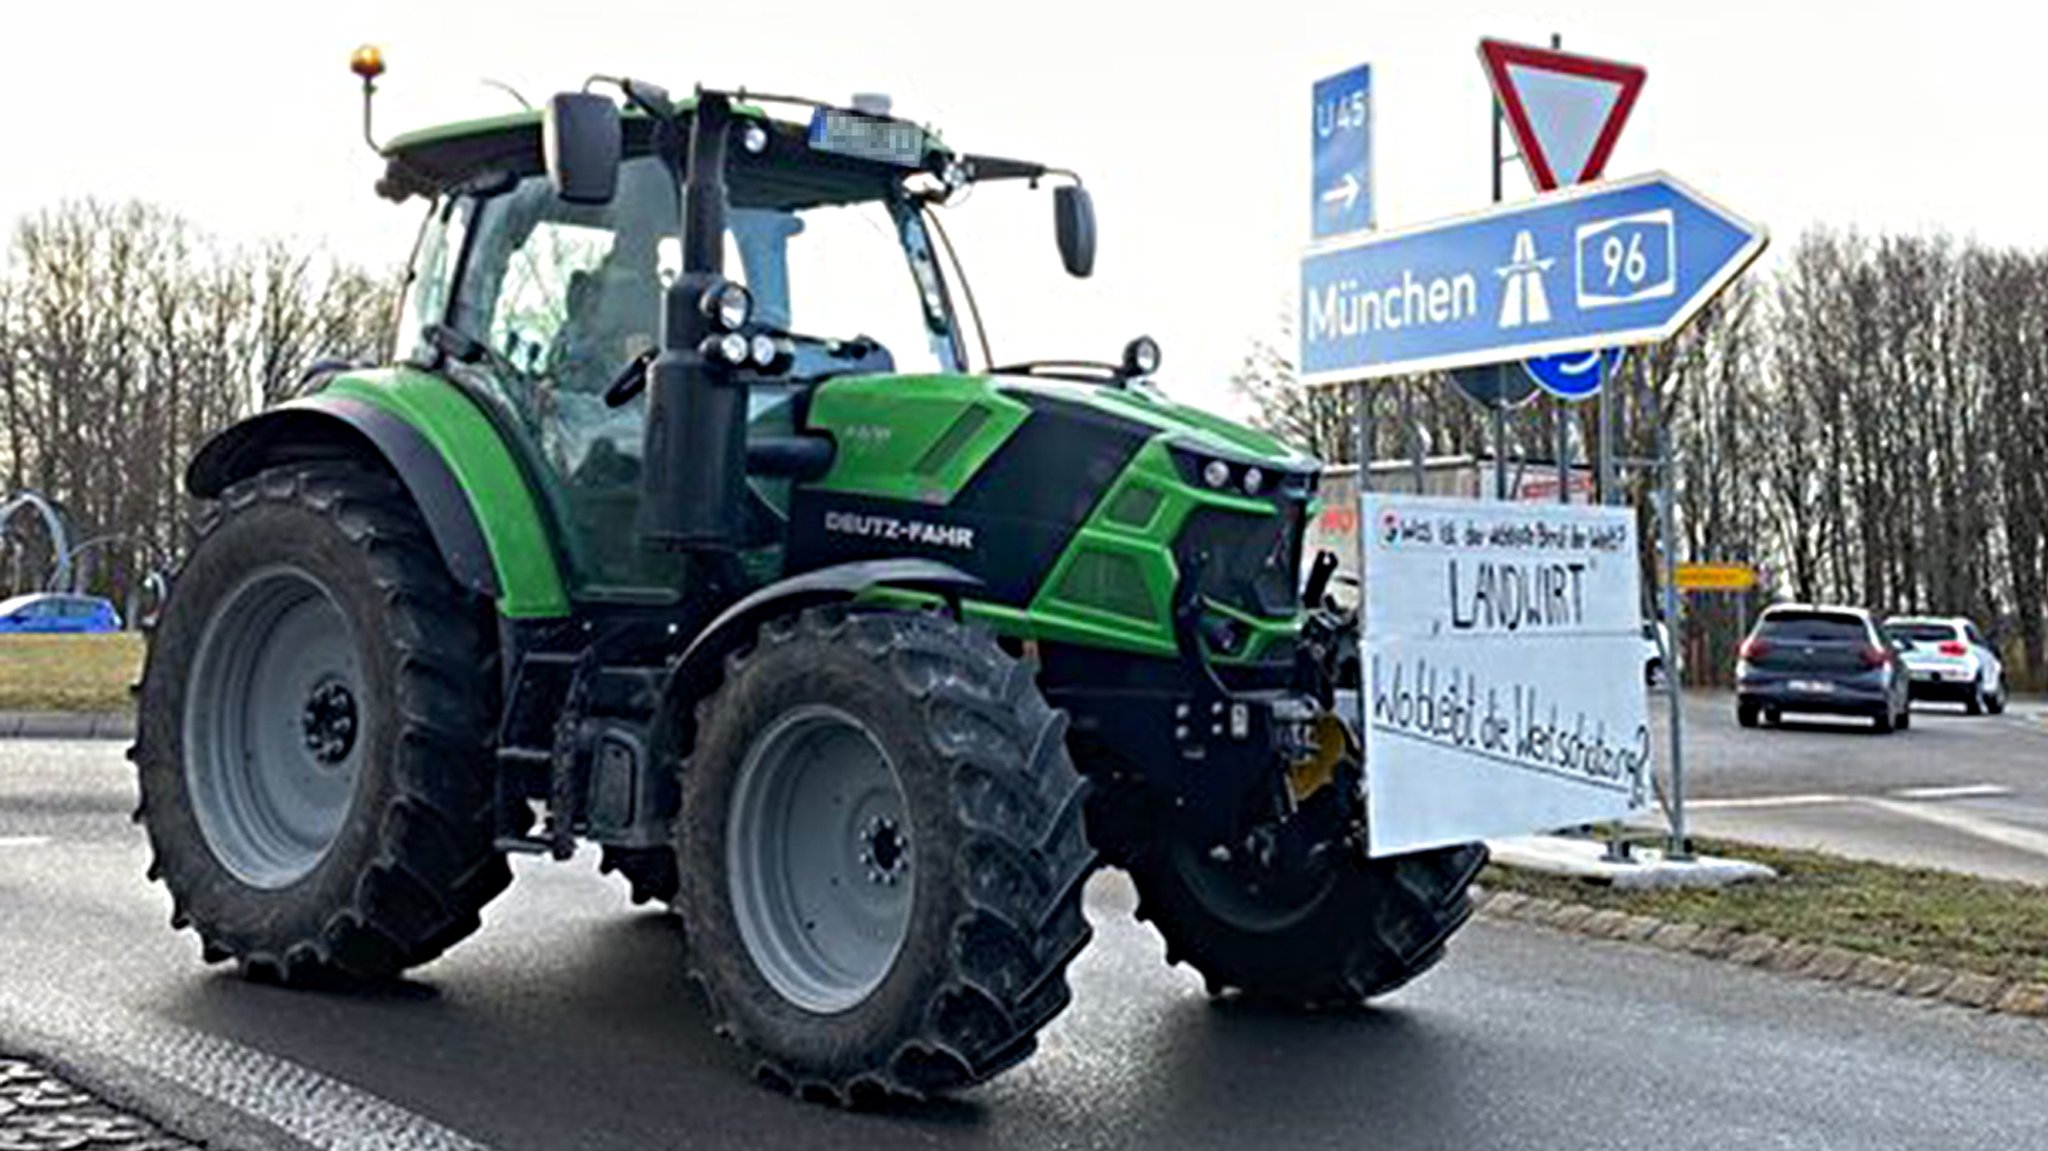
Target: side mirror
<point x="581" y="139"/>
<point x="1073" y="217"/>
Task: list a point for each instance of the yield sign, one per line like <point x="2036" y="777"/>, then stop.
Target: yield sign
<point x="1565" y="111"/>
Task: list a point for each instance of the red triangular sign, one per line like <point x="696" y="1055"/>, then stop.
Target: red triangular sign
<point x="1565" y="111"/>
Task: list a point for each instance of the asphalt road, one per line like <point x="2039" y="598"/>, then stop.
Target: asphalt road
<point x="1963" y="792"/>
<point x="566" y="1024"/>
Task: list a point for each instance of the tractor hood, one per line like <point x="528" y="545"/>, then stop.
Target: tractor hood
<point x="1145" y="404"/>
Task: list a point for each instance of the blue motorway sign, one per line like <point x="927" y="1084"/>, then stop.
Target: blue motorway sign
<point x="1341" y="144"/>
<point x="1611" y="264"/>
<point x="1575" y="375"/>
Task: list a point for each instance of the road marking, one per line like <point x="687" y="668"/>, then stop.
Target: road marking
<point x="23" y="840"/>
<point x="1960" y="791"/>
<point x="322" y="1112"/>
<point x="1990" y="830"/>
<point x="1765" y="801"/>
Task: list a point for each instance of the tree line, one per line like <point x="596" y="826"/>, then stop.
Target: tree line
<point x="127" y="337"/>
<point x="1868" y="423"/>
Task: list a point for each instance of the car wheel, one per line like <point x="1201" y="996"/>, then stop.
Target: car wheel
<point x="1745" y="714"/>
<point x="1905" y="721"/>
<point x="1975" y="704"/>
<point x="1773" y="716"/>
<point x="1885" y="721"/>
<point x="1995" y="702"/>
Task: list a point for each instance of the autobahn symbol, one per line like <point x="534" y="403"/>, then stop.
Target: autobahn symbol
<point x="1620" y="263"/>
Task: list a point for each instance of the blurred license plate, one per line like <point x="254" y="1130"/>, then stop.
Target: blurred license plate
<point x="1811" y="685"/>
<point x="851" y="134"/>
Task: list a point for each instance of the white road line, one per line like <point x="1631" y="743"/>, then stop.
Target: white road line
<point x="23" y="840"/>
<point x="1990" y="830"/>
<point x="324" y="1113"/>
<point x="1765" y="801"/>
<point x="1960" y="791"/>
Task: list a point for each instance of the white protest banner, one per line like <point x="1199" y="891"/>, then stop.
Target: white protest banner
<point x="1504" y="670"/>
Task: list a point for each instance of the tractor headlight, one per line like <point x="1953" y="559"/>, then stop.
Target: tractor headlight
<point x="754" y="139"/>
<point x="1254" y="479"/>
<point x="763" y="351"/>
<point x="728" y="306"/>
<point x="1216" y="473"/>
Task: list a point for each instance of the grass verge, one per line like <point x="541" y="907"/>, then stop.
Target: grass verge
<point x="1911" y="915"/>
<point x="80" y="673"/>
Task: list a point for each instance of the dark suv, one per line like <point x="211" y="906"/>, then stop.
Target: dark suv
<point x="1821" y="658"/>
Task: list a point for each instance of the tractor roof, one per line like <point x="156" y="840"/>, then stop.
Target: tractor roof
<point x="430" y="160"/>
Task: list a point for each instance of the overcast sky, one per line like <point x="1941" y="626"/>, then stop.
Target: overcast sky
<point x="1192" y="130"/>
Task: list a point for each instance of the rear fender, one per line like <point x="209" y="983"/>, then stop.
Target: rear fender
<point x="329" y="426"/>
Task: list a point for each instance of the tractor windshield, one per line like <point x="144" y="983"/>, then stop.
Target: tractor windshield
<point x="568" y="294"/>
<point x="564" y="296"/>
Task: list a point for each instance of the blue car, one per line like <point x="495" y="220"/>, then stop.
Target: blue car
<point x="50" y="612"/>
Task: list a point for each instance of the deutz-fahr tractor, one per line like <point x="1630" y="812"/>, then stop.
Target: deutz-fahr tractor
<point x="694" y="522"/>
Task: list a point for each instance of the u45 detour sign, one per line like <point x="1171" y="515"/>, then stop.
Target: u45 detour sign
<point x="1503" y="670"/>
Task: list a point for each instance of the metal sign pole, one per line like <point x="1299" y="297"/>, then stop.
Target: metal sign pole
<point x="1500" y="385"/>
<point x="1674" y="659"/>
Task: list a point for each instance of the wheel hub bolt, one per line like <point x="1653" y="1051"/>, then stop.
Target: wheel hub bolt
<point x="328" y="723"/>
<point x="884" y="851"/>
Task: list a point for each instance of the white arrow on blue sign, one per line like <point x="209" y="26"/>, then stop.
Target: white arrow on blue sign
<point x="1593" y="266"/>
<point x="1341" y="148"/>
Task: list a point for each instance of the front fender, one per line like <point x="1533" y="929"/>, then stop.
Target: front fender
<point x="701" y="664"/>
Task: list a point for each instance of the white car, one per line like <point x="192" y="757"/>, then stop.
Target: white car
<point x="1947" y="658"/>
<point x="1656" y="641"/>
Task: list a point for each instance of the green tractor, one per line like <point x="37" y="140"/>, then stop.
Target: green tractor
<point x="691" y="523"/>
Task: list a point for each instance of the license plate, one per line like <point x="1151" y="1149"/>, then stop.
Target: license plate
<point x="851" y="134"/>
<point x="1815" y="686"/>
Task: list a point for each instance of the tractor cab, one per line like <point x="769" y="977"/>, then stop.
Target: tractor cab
<point x="541" y="304"/>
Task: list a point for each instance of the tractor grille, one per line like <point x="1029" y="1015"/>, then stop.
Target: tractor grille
<point x="1251" y="563"/>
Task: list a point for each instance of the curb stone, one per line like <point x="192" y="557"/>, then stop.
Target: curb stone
<point x="1805" y="960"/>
<point x="67" y="725"/>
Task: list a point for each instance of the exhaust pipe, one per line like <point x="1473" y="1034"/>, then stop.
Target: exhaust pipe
<point x="694" y="450"/>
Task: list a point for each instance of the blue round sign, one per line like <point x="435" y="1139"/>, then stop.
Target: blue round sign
<point x="1575" y="376"/>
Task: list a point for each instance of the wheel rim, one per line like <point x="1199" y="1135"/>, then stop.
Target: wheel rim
<point x="1258" y="904"/>
<point x="274" y="727"/>
<point x="821" y="859"/>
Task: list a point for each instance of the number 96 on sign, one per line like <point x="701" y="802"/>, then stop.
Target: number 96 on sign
<point x="1627" y="259"/>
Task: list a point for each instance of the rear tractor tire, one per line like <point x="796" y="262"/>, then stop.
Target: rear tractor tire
<point x="882" y="856"/>
<point x="1357" y="930"/>
<point x="313" y="734"/>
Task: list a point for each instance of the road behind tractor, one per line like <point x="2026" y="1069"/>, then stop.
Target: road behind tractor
<point x="693" y="519"/>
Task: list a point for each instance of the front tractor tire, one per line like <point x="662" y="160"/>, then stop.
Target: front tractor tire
<point x="1333" y="936"/>
<point x="313" y="738"/>
<point x="882" y="856"/>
